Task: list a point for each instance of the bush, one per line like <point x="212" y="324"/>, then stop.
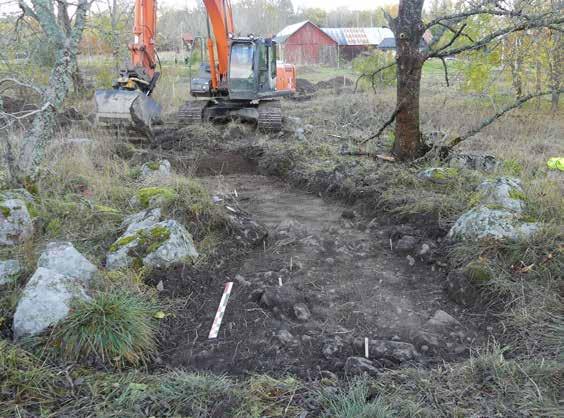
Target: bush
<point x="115" y="328"/>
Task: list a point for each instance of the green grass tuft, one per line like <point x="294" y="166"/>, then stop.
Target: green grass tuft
<point x="115" y="327"/>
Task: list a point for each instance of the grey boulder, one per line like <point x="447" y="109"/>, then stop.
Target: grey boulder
<point x="16" y="224"/>
<point x="158" y="168"/>
<point x="63" y="258"/>
<point x="503" y="192"/>
<point x="45" y="301"/>
<point x="162" y="244"/>
<point x="473" y="161"/>
<point x="483" y="222"/>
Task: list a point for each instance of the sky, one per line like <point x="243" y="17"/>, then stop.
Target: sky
<point x="323" y="4"/>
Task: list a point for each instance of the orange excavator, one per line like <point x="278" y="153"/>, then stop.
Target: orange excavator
<point x="245" y="80"/>
<point x="129" y="102"/>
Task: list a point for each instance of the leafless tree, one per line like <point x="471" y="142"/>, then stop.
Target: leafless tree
<point x="66" y="32"/>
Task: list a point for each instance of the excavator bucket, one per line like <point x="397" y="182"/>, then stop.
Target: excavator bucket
<point x="128" y="108"/>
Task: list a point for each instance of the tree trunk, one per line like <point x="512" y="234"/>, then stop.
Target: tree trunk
<point x="516" y="64"/>
<point x="408" y="29"/>
<point x="538" y="84"/>
<point x="42" y="129"/>
<point x="555" y="59"/>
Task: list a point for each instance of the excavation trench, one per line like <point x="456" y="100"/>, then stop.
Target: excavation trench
<point x="305" y="300"/>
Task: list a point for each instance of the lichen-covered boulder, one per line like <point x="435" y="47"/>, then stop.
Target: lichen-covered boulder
<point x="64" y="259"/>
<point x="152" y="197"/>
<point x="141" y="220"/>
<point x="504" y="192"/>
<point x="21" y="194"/>
<point x="162" y="244"/>
<point x="471" y="161"/>
<point x="16" y="224"/>
<point x="438" y="175"/>
<point x="156" y="168"/>
<point x="45" y="301"/>
<point x="9" y="269"/>
<point x="484" y="222"/>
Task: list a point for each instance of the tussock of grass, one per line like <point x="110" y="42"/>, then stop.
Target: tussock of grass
<point x="354" y="401"/>
<point x="114" y="328"/>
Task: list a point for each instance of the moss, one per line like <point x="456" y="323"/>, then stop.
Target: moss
<point x="147" y="194"/>
<point x="54" y="227"/>
<point x="478" y="272"/>
<point x="512" y="167"/>
<point x="517" y="195"/>
<point x="106" y="209"/>
<point x="154" y="165"/>
<point x="148" y="241"/>
<point x="122" y="242"/>
<point x="5" y="211"/>
<point x="444" y="173"/>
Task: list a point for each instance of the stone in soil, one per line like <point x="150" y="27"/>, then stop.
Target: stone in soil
<point x="64" y="259"/>
<point x="359" y="366"/>
<point x="45" y="301"/>
<point x="396" y="351"/>
<point x="16" y="224"/>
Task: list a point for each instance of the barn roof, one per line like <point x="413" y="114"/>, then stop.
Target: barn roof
<point x="358" y="36"/>
<point x="289" y="31"/>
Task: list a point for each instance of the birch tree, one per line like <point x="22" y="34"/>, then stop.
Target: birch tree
<point x="65" y="32"/>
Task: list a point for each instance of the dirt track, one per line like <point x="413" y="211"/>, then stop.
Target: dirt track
<point x="342" y="281"/>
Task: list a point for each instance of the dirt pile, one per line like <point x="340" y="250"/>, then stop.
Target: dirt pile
<point x="334" y="83"/>
<point x="304" y="86"/>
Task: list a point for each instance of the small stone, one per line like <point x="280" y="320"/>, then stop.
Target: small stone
<point x="332" y="347"/>
<point x="406" y="244"/>
<point x="424" y="348"/>
<point x="393" y="350"/>
<point x="360" y="365"/>
<point x="285" y="337"/>
<point x="306" y="338"/>
<point x="425" y="248"/>
<point x="410" y="260"/>
<point x="241" y="280"/>
<point x="156" y="168"/>
<point x="301" y="312"/>
<point x="348" y="214"/>
<point x="330" y="261"/>
<point x="442" y="319"/>
<point x="160" y="286"/>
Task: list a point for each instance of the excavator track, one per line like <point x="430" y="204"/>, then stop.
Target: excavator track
<point x="191" y="112"/>
<point x="269" y="116"/>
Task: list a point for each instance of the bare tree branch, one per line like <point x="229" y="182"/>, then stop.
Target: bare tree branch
<point x="445" y="52"/>
<point x="445" y="68"/>
<point x="372" y="75"/>
<point x="383" y="127"/>
<point x="502" y="112"/>
<point x="22" y="84"/>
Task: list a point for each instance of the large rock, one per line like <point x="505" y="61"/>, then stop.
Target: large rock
<point x="482" y="162"/>
<point x="16" y="224"/>
<point x="9" y="269"/>
<point x="63" y="258"/>
<point x="45" y="301"/>
<point x="162" y="244"/>
<point x="141" y="220"/>
<point x="156" y="168"/>
<point x="503" y="192"/>
<point x="483" y="222"/>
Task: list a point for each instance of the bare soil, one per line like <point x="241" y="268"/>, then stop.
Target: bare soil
<point x="325" y="279"/>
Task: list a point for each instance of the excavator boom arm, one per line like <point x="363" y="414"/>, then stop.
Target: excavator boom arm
<point x="221" y="18"/>
<point x="142" y="48"/>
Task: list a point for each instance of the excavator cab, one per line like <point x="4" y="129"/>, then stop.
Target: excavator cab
<point x="252" y="69"/>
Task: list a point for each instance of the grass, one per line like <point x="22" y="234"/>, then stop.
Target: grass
<point x="115" y="328"/>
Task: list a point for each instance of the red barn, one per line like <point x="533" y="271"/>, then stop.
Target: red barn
<point x="305" y="43"/>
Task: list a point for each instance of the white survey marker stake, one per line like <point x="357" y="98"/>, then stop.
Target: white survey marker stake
<point x="220" y="310"/>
